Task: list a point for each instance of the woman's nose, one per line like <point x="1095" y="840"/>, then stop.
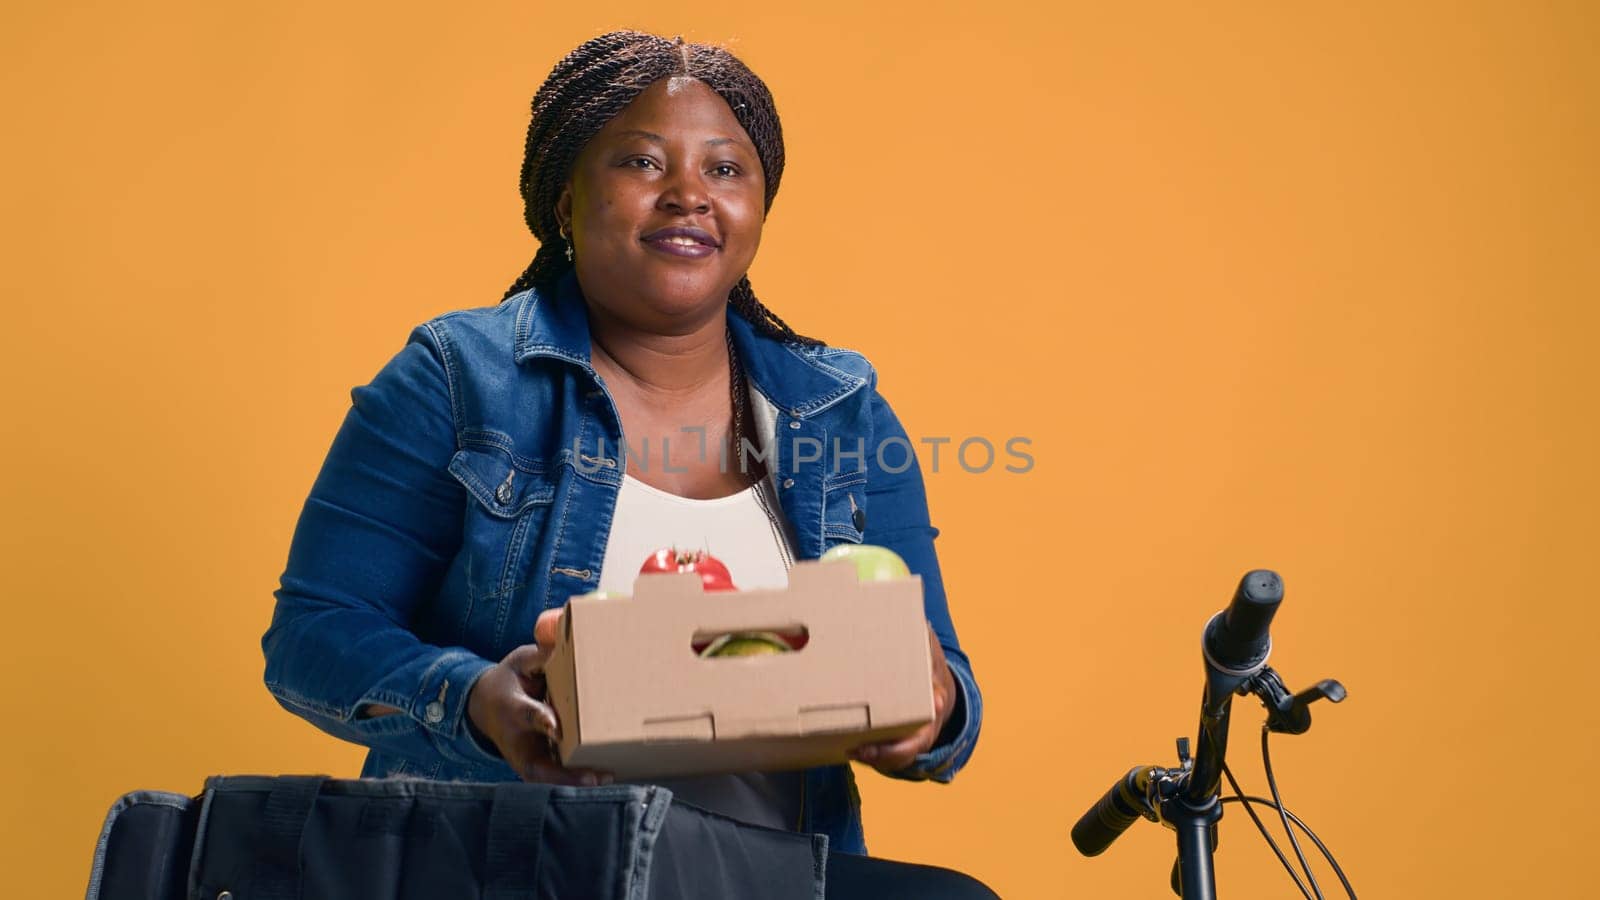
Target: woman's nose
<point x="685" y="193"/>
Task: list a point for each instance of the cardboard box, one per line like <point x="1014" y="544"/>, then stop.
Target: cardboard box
<point x="634" y="698"/>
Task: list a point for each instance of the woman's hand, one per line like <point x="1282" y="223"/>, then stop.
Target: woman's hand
<point x="892" y="756"/>
<point x="507" y="706"/>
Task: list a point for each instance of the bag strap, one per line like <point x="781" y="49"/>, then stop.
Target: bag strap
<point x="516" y="838"/>
<point x="283" y="826"/>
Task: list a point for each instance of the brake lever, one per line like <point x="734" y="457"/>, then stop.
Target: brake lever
<point x="1290" y="713"/>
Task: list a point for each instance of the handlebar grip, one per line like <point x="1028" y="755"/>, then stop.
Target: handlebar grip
<point x="1108" y="819"/>
<point x="1239" y="638"/>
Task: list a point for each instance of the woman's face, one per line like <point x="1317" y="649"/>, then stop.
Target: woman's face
<point x="665" y="205"/>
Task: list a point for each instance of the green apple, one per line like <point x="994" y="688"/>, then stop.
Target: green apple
<point x="873" y="563"/>
<point x="746" y="643"/>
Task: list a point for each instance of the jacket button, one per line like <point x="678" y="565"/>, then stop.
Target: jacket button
<point x="788" y="482"/>
<point x="794" y="423"/>
<point x="503" y="492"/>
<point x="434" y="713"/>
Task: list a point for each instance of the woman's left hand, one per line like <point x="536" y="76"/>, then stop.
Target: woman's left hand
<point x="892" y="756"/>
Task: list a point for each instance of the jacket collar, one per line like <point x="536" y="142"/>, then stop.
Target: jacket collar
<point x="792" y="377"/>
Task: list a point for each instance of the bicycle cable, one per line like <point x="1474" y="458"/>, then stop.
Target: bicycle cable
<point x="1261" y="826"/>
<point x="1247" y="800"/>
<point x="1272" y="784"/>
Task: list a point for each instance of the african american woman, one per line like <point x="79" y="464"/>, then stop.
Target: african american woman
<point x="474" y="484"/>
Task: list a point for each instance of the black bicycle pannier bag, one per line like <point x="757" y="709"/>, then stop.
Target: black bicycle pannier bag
<point x="316" y="838"/>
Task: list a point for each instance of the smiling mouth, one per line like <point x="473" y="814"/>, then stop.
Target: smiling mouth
<point x="681" y="246"/>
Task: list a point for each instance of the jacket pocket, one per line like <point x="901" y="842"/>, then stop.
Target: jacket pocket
<point x="510" y="504"/>
<point x="505" y="488"/>
<point x="844" y="508"/>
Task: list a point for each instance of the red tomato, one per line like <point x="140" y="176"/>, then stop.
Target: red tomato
<point x="713" y="574"/>
<point x="663" y="560"/>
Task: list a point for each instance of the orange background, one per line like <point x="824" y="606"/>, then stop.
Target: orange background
<point x="1311" y="289"/>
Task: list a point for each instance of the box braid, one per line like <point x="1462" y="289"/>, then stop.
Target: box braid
<point x="594" y="83"/>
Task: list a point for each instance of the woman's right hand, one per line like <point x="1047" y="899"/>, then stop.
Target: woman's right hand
<point x="507" y="706"/>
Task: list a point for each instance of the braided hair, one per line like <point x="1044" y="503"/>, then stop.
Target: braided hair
<point x="590" y="86"/>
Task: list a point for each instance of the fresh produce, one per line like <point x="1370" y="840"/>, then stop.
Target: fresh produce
<point x="872" y="562"/>
<point x="747" y="643"/>
<point x="713" y="574"/>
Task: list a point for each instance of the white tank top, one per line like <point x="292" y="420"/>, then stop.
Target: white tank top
<point x="758" y="553"/>
<point x="734" y="529"/>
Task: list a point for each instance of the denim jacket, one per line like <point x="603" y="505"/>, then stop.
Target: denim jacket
<point x="471" y="487"/>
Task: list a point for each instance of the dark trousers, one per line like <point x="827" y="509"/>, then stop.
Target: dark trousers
<point x="292" y="837"/>
<point x="867" y="878"/>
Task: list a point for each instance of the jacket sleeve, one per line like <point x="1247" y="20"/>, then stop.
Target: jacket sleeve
<point x="897" y="518"/>
<point x="380" y="528"/>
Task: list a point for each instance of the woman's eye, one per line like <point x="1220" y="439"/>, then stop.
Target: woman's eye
<point x="640" y="159"/>
<point x="726" y="170"/>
